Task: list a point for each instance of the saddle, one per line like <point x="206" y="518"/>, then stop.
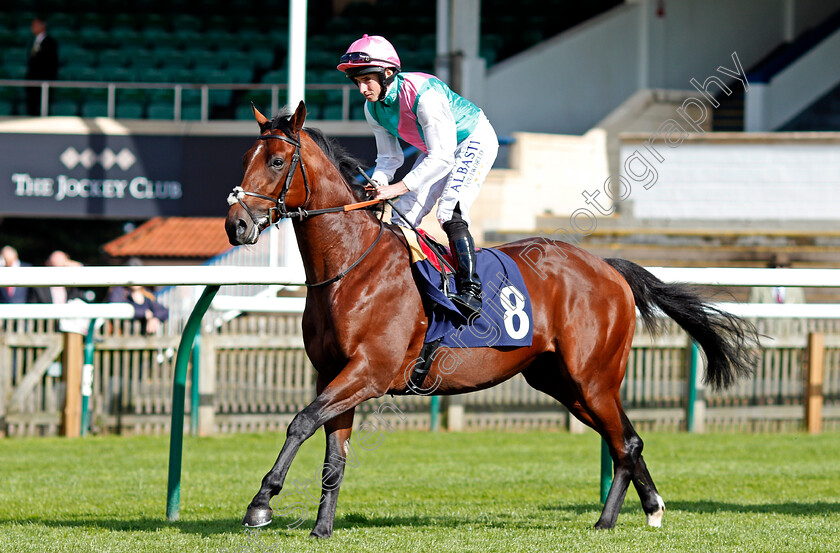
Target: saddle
<point x="505" y="319"/>
<point x="421" y="250"/>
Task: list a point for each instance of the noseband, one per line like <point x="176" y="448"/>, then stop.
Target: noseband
<point x="280" y="202"/>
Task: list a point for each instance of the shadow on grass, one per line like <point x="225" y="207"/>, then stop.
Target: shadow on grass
<point x="789" y="508"/>
<point x="282" y="526"/>
<point x="710" y="506"/>
<point x="201" y="527"/>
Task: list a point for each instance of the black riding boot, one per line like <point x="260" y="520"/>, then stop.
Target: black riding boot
<point x="467" y="283"/>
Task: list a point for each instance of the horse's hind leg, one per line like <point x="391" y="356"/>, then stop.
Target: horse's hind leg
<point x="652" y="502"/>
<point x="338" y="435"/>
<point x="608" y="419"/>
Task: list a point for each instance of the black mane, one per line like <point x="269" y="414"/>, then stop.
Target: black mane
<point x="341" y="158"/>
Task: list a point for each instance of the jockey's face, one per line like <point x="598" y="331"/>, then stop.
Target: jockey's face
<point x="369" y="86"/>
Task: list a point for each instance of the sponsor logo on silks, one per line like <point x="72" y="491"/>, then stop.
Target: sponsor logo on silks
<point x="467" y="165"/>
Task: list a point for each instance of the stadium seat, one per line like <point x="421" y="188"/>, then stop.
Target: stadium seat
<point x="276" y="76"/>
<point x="161" y="110"/>
<point x="14" y="56"/>
<point x="357" y="111"/>
<point x="220" y="97"/>
<point x="94" y="38"/>
<point x="131" y="96"/>
<point x="186" y="22"/>
<point x="68" y="94"/>
<point x="140" y="57"/>
<point x="17" y="71"/>
<point x="153" y="75"/>
<point x="113" y="57"/>
<point x="79" y="73"/>
<point x="122" y="21"/>
<point x="64" y="107"/>
<point x="7" y="107"/>
<point x="331" y="111"/>
<point x="189" y="38"/>
<point x="191" y="113"/>
<point x="240" y="75"/>
<point x="94" y="108"/>
<point x="129" y="110"/>
<point x="263" y="56"/>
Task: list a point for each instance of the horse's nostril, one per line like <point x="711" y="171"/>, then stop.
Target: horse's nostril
<point x="241" y="226"/>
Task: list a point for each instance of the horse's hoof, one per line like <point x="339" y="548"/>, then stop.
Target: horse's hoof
<point x="256" y="518"/>
<point x="655" y="519"/>
<point x="320" y="534"/>
<point x="601" y="525"/>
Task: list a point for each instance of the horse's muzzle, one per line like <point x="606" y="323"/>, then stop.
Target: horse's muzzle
<point x="241" y="231"/>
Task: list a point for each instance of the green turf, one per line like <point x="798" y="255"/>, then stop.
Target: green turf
<point x="534" y="491"/>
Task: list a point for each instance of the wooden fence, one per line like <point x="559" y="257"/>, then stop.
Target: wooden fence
<point x="256" y="377"/>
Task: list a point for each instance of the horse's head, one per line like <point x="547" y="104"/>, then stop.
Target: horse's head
<point x="274" y="182"/>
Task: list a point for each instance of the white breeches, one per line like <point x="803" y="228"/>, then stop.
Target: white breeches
<point x="474" y="158"/>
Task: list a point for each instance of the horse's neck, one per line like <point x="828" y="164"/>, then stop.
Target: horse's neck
<point x="330" y="243"/>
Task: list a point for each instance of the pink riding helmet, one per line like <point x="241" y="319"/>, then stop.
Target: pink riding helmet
<point x="369" y="51"/>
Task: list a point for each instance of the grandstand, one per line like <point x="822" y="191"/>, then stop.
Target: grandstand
<point x="567" y="88"/>
<point x="163" y="44"/>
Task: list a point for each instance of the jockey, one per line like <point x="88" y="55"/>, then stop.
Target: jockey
<point x="457" y="142"/>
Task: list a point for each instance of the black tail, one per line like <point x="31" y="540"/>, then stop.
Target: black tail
<point x="727" y="341"/>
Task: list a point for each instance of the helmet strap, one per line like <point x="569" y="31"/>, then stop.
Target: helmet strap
<point x="385" y="82"/>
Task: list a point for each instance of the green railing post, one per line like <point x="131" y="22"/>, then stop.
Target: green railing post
<point x="690" y="424"/>
<point x="194" y="397"/>
<point x="176" y="433"/>
<point x="87" y="377"/>
<point x="434" y="413"/>
<point x="606" y="471"/>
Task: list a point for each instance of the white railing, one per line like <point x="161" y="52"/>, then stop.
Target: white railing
<point x="190" y="275"/>
<point x="294" y="276"/>
<point x="72" y="310"/>
<point x="276" y="247"/>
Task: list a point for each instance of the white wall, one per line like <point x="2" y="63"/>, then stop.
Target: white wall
<point x="737" y="176"/>
<point x="567" y="84"/>
<point x="695" y="37"/>
<point x="768" y="106"/>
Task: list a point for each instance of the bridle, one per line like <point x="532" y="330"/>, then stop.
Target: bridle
<point x="279" y="207"/>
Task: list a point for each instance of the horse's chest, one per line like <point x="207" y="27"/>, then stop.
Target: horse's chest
<point x="326" y="341"/>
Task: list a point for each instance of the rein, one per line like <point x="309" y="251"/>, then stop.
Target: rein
<point x="279" y="207"/>
<point x="343" y="273"/>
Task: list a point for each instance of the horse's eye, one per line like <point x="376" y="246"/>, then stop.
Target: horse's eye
<point x="277" y="162"/>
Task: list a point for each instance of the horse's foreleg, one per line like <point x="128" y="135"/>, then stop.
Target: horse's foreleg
<point x="338" y="434"/>
<point x="342" y="394"/>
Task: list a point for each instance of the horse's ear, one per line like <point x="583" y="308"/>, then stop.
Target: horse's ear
<point x="261" y="119"/>
<point x="296" y="121"/>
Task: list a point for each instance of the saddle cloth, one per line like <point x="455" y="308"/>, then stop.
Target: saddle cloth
<point x="506" y="317"/>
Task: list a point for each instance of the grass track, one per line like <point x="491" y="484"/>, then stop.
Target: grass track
<point x="487" y="492"/>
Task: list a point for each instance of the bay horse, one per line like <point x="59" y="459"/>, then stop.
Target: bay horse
<point x="365" y="320"/>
